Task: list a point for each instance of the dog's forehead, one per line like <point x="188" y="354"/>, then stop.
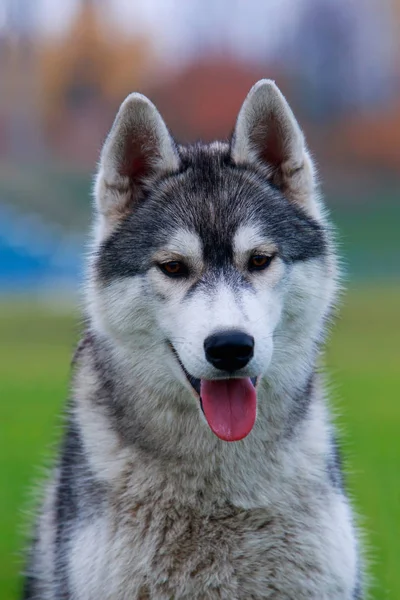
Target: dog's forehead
<point x="213" y="198"/>
<point x="231" y="210"/>
<point x="200" y="210"/>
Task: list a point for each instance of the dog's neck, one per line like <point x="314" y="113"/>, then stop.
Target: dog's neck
<point x="127" y="417"/>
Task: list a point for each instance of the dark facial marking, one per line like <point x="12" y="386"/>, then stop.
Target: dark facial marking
<point x="211" y="197"/>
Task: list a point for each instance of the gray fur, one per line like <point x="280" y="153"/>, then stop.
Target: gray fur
<point x="146" y="502"/>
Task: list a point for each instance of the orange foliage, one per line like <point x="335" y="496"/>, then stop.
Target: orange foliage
<point x="111" y="63"/>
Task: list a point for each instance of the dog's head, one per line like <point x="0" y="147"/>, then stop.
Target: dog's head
<point x="211" y="264"/>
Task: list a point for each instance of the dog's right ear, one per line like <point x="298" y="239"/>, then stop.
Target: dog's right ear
<point x="138" y="147"/>
<point x="268" y="137"/>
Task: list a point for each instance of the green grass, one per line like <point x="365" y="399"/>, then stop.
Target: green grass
<point x="363" y="359"/>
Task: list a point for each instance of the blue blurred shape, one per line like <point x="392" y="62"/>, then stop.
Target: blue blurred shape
<point x="35" y="256"/>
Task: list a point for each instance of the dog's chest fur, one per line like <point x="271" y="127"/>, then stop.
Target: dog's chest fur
<point x="162" y="550"/>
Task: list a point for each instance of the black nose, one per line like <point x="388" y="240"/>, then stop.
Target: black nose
<point x="229" y="350"/>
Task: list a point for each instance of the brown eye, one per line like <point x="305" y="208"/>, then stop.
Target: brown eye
<point x="174" y="268"/>
<point x="259" y="262"/>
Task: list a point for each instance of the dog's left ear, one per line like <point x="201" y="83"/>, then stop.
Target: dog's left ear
<point x="137" y="148"/>
<point x="268" y="136"/>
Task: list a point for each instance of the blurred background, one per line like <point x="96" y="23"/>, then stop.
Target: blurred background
<point x="64" y="69"/>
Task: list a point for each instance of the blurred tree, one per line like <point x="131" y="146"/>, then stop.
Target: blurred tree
<point x="84" y="75"/>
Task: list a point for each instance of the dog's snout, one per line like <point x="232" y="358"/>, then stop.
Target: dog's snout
<point x="229" y="350"/>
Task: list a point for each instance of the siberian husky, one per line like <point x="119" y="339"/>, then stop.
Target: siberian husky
<point x="198" y="460"/>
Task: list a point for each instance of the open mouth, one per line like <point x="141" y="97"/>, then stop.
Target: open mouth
<point x="229" y="405"/>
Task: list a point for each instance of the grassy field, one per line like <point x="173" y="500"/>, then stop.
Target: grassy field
<point x="364" y="368"/>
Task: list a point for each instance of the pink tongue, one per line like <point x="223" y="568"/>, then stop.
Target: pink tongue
<point x="229" y="406"/>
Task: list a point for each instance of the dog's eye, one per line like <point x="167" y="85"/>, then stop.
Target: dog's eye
<point x="174" y="268"/>
<point x="259" y="262"/>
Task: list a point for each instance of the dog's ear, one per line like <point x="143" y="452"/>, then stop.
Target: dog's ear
<point x="268" y="136"/>
<point x="138" y="147"/>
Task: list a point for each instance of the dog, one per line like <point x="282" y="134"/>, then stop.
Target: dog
<point x="198" y="460"/>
